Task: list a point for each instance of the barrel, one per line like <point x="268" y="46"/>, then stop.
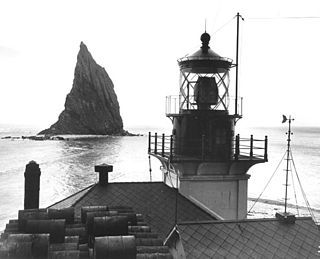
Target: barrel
<point x="21" y="250"/>
<point x="152" y="249"/>
<point x="121" y="208"/>
<point x="114" y="247"/>
<point x="149" y="242"/>
<point x="83" y="247"/>
<point x="24" y="215"/>
<point x="39" y="243"/>
<point x="78" y="231"/>
<point x="71" y="238"/>
<point x="154" y="256"/>
<point x="66" y="213"/>
<point x="92" y="214"/>
<point x="132" y="218"/>
<point x="110" y="226"/>
<point x="70" y="254"/>
<point x="86" y="209"/>
<point x="89" y="223"/>
<point x="113" y="213"/>
<point x="139" y="229"/>
<point x="55" y="227"/>
<point x="4" y="250"/>
<point x="63" y="247"/>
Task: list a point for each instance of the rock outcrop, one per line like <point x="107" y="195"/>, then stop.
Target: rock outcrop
<point x="91" y="107"/>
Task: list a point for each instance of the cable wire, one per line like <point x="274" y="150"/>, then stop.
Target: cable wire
<point x="302" y="190"/>
<point x="294" y="190"/>
<point x="283" y="18"/>
<point x="169" y="174"/>
<point x="225" y="24"/>
<point x="267" y="183"/>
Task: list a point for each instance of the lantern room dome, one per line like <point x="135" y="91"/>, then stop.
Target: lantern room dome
<point x="205" y="60"/>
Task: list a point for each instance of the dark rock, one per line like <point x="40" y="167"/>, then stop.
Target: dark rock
<point x="127" y="133"/>
<point x="44" y="137"/>
<point x="57" y="138"/>
<point x="36" y="137"/>
<point x="91" y="107"/>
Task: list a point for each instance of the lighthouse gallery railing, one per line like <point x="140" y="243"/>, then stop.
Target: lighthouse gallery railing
<point x="174" y="104"/>
<point x="241" y="148"/>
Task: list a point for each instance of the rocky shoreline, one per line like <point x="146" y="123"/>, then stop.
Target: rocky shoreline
<point x="70" y="137"/>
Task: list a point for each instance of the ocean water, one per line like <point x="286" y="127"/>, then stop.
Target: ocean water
<point x="68" y="166"/>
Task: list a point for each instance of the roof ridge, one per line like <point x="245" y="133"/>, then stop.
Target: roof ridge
<point x="74" y="194"/>
<point x="235" y="221"/>
<point x="92" y="187"/>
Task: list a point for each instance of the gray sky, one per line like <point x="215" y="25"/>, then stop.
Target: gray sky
<point x="138" y="42"/>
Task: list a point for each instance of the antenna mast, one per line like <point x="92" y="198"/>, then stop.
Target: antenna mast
<point x="289" y="133"/>
<point x="237" y="63"/>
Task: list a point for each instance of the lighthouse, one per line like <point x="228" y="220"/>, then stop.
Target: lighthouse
<point x="204" y="158"/>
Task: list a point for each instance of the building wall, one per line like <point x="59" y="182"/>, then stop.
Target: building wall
<point x="226" y="196"/>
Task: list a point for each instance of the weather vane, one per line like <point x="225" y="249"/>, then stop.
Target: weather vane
<point x="289" y="133"/>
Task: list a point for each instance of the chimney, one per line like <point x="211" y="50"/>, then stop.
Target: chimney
<point x="103" y="170"/>
<point x="31" y="185"/>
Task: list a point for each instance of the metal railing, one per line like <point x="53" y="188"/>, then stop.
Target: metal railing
<point x="172" y="104"/>
<point x="204" y="58"/>
<point x="160" y="145"/>
<point x="201" y="149"/>
<point x="250" y="148"/>
<point x="175" y="103"/>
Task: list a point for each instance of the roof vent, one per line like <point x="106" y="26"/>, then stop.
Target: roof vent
<point x="286" y="217"/>
<point x="103" y="170"/>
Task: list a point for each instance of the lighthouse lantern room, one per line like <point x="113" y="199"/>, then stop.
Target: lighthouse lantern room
<point x="203" y="157"/>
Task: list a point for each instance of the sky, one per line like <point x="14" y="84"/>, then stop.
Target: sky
<point x="138" y="43"/>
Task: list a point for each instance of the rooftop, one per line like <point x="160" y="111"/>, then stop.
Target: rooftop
<point x="154" y="206"/>
<point x="155" y="200"/>
<point x="256" y="238"/>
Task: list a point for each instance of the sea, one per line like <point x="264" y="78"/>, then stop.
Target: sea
<point x="67" y="166"/>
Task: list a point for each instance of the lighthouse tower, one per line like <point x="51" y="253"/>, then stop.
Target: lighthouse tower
<point x="203" y="157"/>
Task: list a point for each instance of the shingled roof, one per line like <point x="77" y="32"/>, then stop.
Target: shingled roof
<point x="155" y="200"/>
<point x="256" y="238"/>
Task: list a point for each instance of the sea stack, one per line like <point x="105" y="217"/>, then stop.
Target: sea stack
<point x="92" y="106"/>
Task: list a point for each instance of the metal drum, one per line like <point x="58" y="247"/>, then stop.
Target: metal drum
<point x="91" y="215"/>
<point x="132" y="218"/>
<point x="110" y="226"/>
<point x="66" y="213"/>
<point x="55" y="227"/>
<point x="70" y="254"/>
<point x="24" y="215"/>
<point x="114" y="247"/>
<point x="35" y="245"/>
<point x="86" y="209"/>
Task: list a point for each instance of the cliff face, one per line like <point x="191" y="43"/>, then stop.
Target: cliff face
<point x="91" y="107"/>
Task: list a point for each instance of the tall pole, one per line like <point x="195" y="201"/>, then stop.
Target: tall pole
<point x="237" y="63"/>
<point x="287" y="168"/>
